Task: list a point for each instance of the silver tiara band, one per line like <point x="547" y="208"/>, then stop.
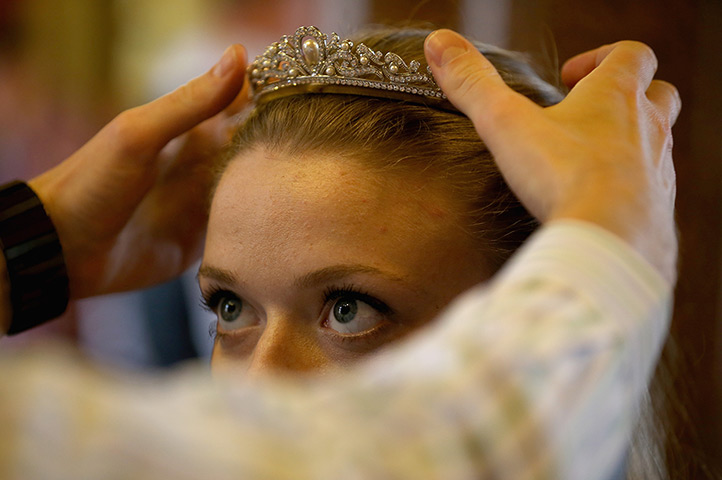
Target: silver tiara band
<point x="312" y="62"/>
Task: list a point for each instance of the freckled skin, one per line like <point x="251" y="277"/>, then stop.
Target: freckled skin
<point x="275" y="219"/>
<point x="435" y="211"/>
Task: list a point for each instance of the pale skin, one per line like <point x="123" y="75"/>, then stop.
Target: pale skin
<point x="317" y="260"/>
<point x="559" y="161"/>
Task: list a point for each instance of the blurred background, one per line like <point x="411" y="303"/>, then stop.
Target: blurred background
<point x="68" y="66"/>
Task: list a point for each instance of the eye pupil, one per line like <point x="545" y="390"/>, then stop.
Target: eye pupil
<point x="345" y="310"/>
<point x="230" y="309"/>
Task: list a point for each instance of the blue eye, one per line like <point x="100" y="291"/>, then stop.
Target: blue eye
<point x="231" y="311"/>
<point x="229" y="308"/>
<point x="345" y="310"/>
<point x="351" y="315"/>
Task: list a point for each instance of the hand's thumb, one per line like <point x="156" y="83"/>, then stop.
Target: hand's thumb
<point x="150" y="126"/>
<point x="470" y="81"/>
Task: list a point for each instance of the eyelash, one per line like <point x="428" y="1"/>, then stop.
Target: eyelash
<point x="209" y="301"/>
<point x="333" y="293"/>
<point x="211" y="298"/>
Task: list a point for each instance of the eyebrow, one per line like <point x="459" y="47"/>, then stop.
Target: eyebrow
<point x="317" y="277"/>
<point x="337" y="272"/>
<point x="219" y="274"/>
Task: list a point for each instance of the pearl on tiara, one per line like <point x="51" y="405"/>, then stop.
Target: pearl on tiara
<point x="312" y="62"/>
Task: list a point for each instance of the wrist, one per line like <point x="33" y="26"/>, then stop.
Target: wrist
<point x="644" y="224"/>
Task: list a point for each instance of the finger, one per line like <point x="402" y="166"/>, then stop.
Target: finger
<point x="471" y="82"/>
<point x="665" y="97"/>
<point x="579" y="66"/>
<point x="146" y="129"/>
<point x="239" y="103"/>
<point x="627" y="59"/>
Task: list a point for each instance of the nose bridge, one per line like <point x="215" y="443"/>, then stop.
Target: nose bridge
<point x="287" y="344"/>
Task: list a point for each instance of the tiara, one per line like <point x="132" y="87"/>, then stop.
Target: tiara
<point x="312" y="62"/>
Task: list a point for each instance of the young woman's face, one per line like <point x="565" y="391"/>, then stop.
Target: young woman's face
<point x="314" y="261"/>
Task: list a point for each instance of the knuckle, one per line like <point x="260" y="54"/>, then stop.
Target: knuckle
<point x="474" y="86"/>
<point x="664" y="129"/>
<point x="123" y="127"/>
<point x="126" y="133"/>
<point x="186" y="94"/>
<point x="622" y="90"/>
<point x="672" y="93"/>
<point x="660" y="126"/>
<point x="499" y="112"/>
<point x="659" y="121"/>
<point x="469" y="77"/>
<point x="124" y="122"/>
<point x="642" y="51"/>
<point x="667" y="86"/>
<point x="627" y="83"/>
<point x="637" y="61"/>
<point x="643" y="48"/>
<point x="193" y="95"/>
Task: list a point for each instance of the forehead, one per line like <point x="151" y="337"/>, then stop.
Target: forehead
<point x="285" y="186"/>
<point x="284" y="192"/>
<point x="278" y="216"/>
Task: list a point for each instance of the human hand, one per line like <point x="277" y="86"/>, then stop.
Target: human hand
<point x="603" y="154"/>
<point x="130" y="205"/>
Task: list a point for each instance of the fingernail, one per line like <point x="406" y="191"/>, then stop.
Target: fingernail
<point x="226" y="63"/>
<point x="442" y="46"/>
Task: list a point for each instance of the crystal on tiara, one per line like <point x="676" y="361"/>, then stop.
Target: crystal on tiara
<point x="311" y="61"/>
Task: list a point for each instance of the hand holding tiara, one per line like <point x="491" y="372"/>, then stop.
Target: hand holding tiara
<point x="118" y="219"/>
<point x="602" y="155"/>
